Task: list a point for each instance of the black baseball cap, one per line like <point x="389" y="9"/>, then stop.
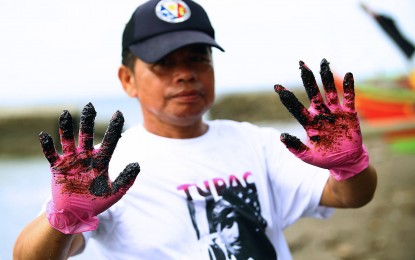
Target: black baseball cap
<point x="159" y="27"/>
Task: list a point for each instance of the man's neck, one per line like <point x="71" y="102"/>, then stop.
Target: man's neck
<point x="178" y="131"/>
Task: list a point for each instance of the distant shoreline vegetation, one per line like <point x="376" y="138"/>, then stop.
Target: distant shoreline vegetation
<point x="255" y="107"/>
<point x="19" y="130"/>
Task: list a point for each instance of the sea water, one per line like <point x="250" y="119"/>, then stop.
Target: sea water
<point x="24" y="188"/>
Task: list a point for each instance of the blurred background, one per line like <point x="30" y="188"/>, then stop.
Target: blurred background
<point x="59" y="55"/>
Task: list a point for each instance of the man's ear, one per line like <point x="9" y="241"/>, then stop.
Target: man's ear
<point x="126" y="77"/>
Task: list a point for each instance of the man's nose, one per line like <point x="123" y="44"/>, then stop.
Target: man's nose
<point x="184" y="72"/>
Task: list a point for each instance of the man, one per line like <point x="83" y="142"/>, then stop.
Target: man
<point x="207" y="189"/>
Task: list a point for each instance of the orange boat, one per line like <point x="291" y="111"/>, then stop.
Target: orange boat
<point x="388" y="107"/>
<point x="386" y="99"/>
<point x="375" y="104"/>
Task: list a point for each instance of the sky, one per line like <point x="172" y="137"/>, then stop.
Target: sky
<point x="60" y="50"/>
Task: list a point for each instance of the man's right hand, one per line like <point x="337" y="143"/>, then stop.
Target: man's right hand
<point x="81" y="188"/>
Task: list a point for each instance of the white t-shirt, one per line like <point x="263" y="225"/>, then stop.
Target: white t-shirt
<point x="227" y="194"/>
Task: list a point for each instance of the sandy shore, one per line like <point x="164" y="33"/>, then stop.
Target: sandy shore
<point x="383" y="229"/>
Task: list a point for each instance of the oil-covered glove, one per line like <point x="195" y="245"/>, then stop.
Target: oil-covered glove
<point x="334" y="139"/>
<point x="81" y="188"/>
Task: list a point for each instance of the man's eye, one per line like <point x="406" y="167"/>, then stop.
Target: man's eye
<point x="200" y="58"/>
<point x="164" y="62"/>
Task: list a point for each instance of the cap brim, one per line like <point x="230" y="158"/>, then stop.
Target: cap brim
<point x="155" y="48"/>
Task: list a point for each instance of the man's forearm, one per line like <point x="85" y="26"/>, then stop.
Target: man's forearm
<point x="39" y="240"/>
<point x="351" y="193"/>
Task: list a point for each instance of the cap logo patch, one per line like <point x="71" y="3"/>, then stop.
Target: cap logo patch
<point x="172" y="11"/>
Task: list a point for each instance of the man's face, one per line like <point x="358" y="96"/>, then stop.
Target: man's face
<point x="228" y="230"/>
<point x="178" y="89"/>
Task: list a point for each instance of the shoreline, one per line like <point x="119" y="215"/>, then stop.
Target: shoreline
<point x="383" y="229"/>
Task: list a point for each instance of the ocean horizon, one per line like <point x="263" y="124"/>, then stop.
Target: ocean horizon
<point x="105" y="107"/>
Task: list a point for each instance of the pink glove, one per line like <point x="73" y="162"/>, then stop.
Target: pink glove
<point x="334" y="140"/>
<point x="81" y="188"/>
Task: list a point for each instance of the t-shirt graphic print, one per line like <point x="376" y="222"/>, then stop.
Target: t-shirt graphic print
<point x="226" y="216"/>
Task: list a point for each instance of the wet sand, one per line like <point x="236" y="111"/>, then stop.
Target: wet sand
<point x="383" y="229"/>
